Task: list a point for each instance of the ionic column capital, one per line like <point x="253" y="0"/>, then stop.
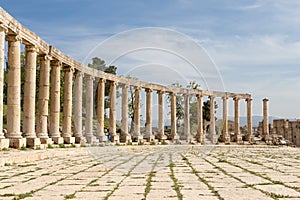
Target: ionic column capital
<point x="113" y="83"/>
<point x="199" y="95"/>
<point x="248" y="99"/>
<point x="102" y="80"/>
<point x="13" y="38"/>
<point x="160" y="92"/>
<point x="265" y="100"/>
<point x="148" y="90"/>
<point x="79" y="73"/>
<point x="236" y="98"/>
<point x="68" y="68"/>
<point x="31" y="48"/>
<point x="56" y="63"/>
<point x="89" y="77"/>
<point x="125" y="86"/>
<point x="45" y="57"/>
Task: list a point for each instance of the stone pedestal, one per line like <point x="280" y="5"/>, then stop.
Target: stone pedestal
<point x="46" y="141"/>
<point x="137" y="138"/>
<point x="125" y="138"/>
<point x="4" y="143"/>
<point x="150" y="138"/>
<point x="238" y="139"/>
<point x="80" y="140"/>
<point x="161" y="138"/>
<point x="69" y="140"/>
<point x="115" y="139"/>
<point x="33" y="142"/>
<point x="58" y="140"/>
<point x="17" y="142"/>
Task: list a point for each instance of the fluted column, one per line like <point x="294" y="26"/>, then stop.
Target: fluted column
<point x="265" y="120"/>
<point x="149" y="136"/>
<point x="29" y="93"/>
<point x="200" y="134"/>
<point x="100" y="109"/>
<point x="112" y="112"/>
<point x="14" y="87"/>
<point x="2" y="45"/>
<point x="237" y="129"/>
<point x="212" y="127"/>
<point x="77" y="108"/>
<point x="225" y="135"/>
<point x="161" y="133"/>
<point x="125" y="137"/>
<point x="67" y="106"/>
<point x="187" y="133"/>
<point x="89" y="109"/>
<point x="173" y="117"/>
<point x="249" y="119"/>
<point x="55" y="102"/>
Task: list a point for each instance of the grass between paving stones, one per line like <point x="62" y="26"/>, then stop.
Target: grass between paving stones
<point x="176" y="185"/>
<point x="150" y="176"/>
<point x="127" y="175"/>
<point x="272" y="195"/>
<point x="194" y="171"/>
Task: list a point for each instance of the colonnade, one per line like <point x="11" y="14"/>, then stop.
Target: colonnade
<point x="47" y="127"/>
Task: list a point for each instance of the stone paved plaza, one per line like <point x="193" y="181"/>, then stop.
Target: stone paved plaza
<point x="151" y="172"/>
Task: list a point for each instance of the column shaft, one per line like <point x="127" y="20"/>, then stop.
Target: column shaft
<point x="78" y="105"/>
<point x="148" y="113"/>
<point x="265" y="120"/>
<point x="200" y="135"/>
<point x="55" y="99"/>
<point x="112" y="111"/>
<point x="187" y="116"/>
<point x="67" y="105"/>
<point x="137" y="120"/>
<point x="89" y="109"/>
<point x="237" y="116"/>
<point x="212" y="127"/>
<point x="14" y="87"/>
<point x="173" y="115"/>
<point x="2" y="45"/>
<point x="249" y="118"/>
<point x="124" y="130"/>
<point x="161" y="106"/>
<point x="101" y="109"/>
<point x="29" y="93"/>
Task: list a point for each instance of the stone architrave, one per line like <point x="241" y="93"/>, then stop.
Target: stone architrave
<point x="265" y="135"/>
<point x="161" y="104"/>
<point x="149" y="136"/>
<point x="200" y="134"/>
<point x="125" y="137"/>
<point x="101" y="109"/>
<point x="14" y="92"/>
<point x="29" y="97"/>
<point x="212" y="126"/>
<point x="113" y="112"/>
<point x="55" y="102"/>
<point x="67" y="106"/>
<point x="77" y="108"/>
<point x="4" y="143"/>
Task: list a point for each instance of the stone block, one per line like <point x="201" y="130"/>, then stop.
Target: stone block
<point x="69" y="140"/>
<point x="150" y="138"/>
<point x="4" y="143"/>
<point x="115" y="139"/>
<point x="46" y="141"/>
<point x="33" y="142"/>
<point x="17" y="142"/>
<point x="58" y="140"/>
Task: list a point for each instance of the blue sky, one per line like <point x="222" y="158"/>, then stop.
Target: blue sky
<point x="255" y="44"/>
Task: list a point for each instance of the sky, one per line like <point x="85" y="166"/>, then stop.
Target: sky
<point x="247" y="46"/>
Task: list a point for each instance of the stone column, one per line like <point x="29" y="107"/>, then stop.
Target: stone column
<point x="265" y="120"/>
<point x="225" y="136"/>
<point x="149" y="136"/>
<point x="4" y="143"/>
<point x="67" y="106"/>
<point x="200" y="134"/>
<point x="237" y="130"/>
<point x="249" y="120"/>
<point x="14" y="92"/>
<point x="43" y="99"/>
<point x="55" y="102"/>
<point x="125" y="137"/>
<point x="113" y="112"/>
<point x="89" y="109"/>
<point x="187" y="134"/>
<point x="212" y="126"/>
<point x="101" y="109"/>
<point x="173" y="117"/>
<point x="77" y="108"/>
<point x="161" y="133"/>
<point x="136" y="116"/>
<point x="29" y="97"/>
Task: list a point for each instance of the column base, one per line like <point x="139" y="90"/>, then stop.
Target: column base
<point x="58" y="140"/>
<point x="33" y="142"/>
<point x="137" y="138"/>
<point x="175" y="138"/>
<point x="69" y="140"/>
<point x="125" y="138"/>
<point x="250" y="138"/>
<point x="80" y="140"/>
<point x="239" y="139"/>
<point x="161" y="138"/>
<point x="115" y="139"/>
<point x="149" y="138"/>
<point x="4" y="143"/>
<point x="91" y="139"/>
<point x="17" y="142"/>
<point x="46" y="141"/>
<point x="102" y="138"/>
